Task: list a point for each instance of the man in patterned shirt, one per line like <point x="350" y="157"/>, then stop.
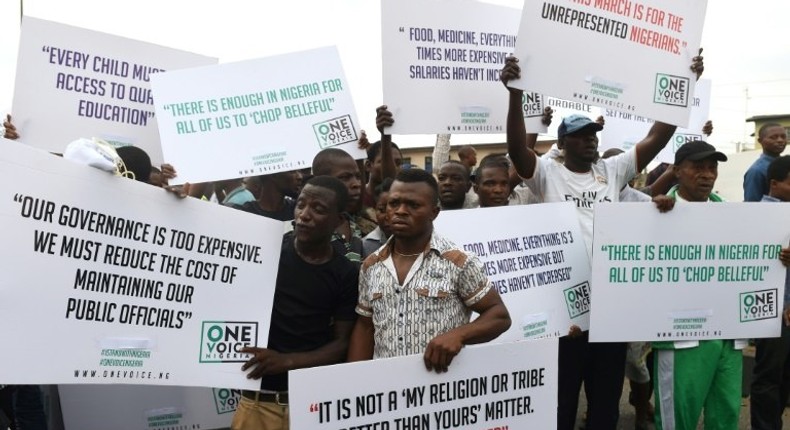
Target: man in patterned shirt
<point x="417" y="293"/>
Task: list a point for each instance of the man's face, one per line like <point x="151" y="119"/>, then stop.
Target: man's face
<point x="581" y="146"/>
<point x="411" y="209"/>
<point x="381" y="213"/>
<point x="347" y="171"/>
<point x="493" y="187"/>
<point x="697" y="178"/>
<point x="453" y="185"/>
<point x="781" y="189"/>
<point x="774" y="140"/>
<point x="315" y="216"/>
<point x="288" y="183"/>
<point x="375" y="167"/>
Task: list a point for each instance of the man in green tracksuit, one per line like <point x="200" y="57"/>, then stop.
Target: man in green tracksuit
<point x="694" y="375"/>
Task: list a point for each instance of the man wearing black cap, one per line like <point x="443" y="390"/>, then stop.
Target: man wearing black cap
<point x="696" y="168"/>
<point x="584" y="179"/>
<point x="692" y="375"/>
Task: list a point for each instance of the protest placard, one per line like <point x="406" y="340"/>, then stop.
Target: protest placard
<point x="92" y="84"/>
<point x="624" y="130"/>
<point x="98" y="407"/>
<point x="442" y="63"/>
<point x="495" y="386"/>
<point x="536" y="258"/>
<point x="255" y="117"/>
<point x="686" y="277"/>
<point x="127" y="282"/>
<point x="650" y="73"/>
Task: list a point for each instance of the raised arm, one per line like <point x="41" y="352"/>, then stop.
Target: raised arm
<point x="383" y="120"/>
<point x="660" y="133"/>
<point x="441" y="151"/>
<point x="518" y="147"/>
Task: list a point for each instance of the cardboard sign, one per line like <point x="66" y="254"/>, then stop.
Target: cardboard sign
<point x="685" y="278"/>
<point x="92" y="84"/>
<point x="628" y="56"/>
<point x="127" y="282"/>
<point x="255" y="117"/>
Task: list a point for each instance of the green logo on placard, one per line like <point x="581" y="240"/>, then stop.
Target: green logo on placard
<point x="222" y="341"/>
<point x="671" y="90"/>
<point x="758" y="305"/>
<point x="681" y="139"/>
<point x="226" y="399"/>
<point x="335" y="131"/>
<point x="577" y="298"/>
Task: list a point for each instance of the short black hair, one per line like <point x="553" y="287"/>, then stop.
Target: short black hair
<point x="764" y="128"/>
<point x="336" y="186"/>
<point x="779" y="169"/>
<point x="383" y="187"/>
<point x="467" y="173"/>
<point x="414" y="175"/>
<point x="136" y="161"/>
<point x="495" y="161"/>
<point x="374" y="149"/>
<point x="322" y="162"/>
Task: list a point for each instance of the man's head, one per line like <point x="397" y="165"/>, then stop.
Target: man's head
<point x="136" y="161"/>
<point x="454" y="183"/>
<point x="773" y="138"/>
<point x="468" y="156"/>
<point x="413" y="203"/>
<point x="696" y="168"/>
<point x="381" y="194"/>
<point x="492" y="181"/>
<point x="339" y="164"/>
<point x="576" y="135"/>
<point x="319" y="209"/>
<point x="779" y="178"/>
<point x="373" y="162"/>
<point x="285" y="183"/>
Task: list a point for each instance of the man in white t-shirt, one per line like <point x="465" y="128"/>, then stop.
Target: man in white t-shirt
<point x="584" y="179"/>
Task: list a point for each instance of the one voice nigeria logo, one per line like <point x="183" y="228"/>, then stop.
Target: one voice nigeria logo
<point x="671" y="90"/>
<point x="759" y="305"/>
<point x="222" y="341"/>
<point x="335" y="131"/>
<point x="577" y="298"/>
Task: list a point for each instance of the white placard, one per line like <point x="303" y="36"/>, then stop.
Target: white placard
<point x="624" y="130"/>
<point x="72" y="83"/>
<point x="628" y="56"/>
<point x="687" y="276"/>
<point x="566" y="108"/>
<point x="500" y="386"/>
<point x="255" y="117"/>
<point x="540" y="266"/>
<point x="441" y="67"/>
<point x="128" y="283"/>
<point x="98" y="407"/>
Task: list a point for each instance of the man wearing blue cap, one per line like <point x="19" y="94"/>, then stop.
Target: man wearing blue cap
<point x="584" y="179"/>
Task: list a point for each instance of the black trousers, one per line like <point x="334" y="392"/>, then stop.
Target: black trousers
<point x="771" y="381"/>
<point x="601" y="366"/>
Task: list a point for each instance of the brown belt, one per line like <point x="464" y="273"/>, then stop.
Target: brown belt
<point x="280" y="398"/>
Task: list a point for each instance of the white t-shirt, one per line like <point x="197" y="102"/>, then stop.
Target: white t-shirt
<point x="629" y="194"/>
<point x="552" y="182"/>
